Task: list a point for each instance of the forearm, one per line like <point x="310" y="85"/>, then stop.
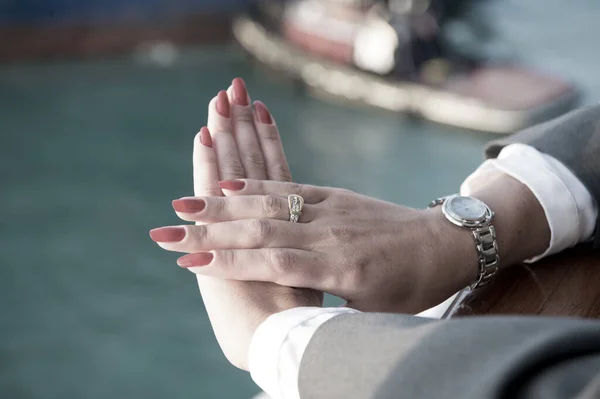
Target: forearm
<point x="372" y="355"/>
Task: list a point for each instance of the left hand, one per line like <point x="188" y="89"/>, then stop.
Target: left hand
<point x="239" y="144"/>
<point x="377" y="255"/>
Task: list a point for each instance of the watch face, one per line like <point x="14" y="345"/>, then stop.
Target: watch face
<point x="467" y="208"/>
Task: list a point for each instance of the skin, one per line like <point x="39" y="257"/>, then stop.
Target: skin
<point x="236" y="308"/>
<point x="377" y="255"/>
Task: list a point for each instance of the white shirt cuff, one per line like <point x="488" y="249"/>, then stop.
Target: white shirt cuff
<point x="278" y="345"/>
<point x="569" y="207"/>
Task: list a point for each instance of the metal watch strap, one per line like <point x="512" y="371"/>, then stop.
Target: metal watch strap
<point x="486" y="247"/>
<point x="487" y="254"/>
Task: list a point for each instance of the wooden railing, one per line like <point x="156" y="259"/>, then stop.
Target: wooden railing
<point x="567" y="284"/>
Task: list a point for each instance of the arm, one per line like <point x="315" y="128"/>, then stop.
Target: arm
<point x="398" y="356"/>
<point x="574" y="140"/>
<point x="384" y="257"/>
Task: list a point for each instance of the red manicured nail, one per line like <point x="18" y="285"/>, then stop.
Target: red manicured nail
<point x="223" y="104"/>
<point x="233" y="185"/>
<point x="205" y="137"/>
<point x="262" y="113"/>
<point x="240" y="93"/>
<point x="189" y="205"/>
<point x="192" y="260"/>
<point x="167" y="234"/>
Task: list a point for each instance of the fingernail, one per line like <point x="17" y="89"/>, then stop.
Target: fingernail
<point x="262" y="113"/>
<point x="167" y="234"/>
<point x="205" y="137"/>
<point x="233" y="185"/>
<point x="240" y="94"/>
<point x="223" y="104"/>
<point x="189" y="205"/>
<point x="192" y="260"/>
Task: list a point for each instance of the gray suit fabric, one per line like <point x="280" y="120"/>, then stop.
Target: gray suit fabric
<point x="573" y="139"/>
<point x="375" y="355"/>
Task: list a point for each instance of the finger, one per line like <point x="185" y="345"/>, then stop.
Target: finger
<point x="311" y="194"/>
<point x="206" y="170"/>
<point x="270" y="143"/>
<point x="237" y="234"/>
<point x="244" y="131"/>
<point x="284" y="266"/>
<point x="221" y="129"/>
<point x="224" y="209"/>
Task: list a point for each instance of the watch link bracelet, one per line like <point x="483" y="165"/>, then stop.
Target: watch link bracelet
<point x="475" y="215"/>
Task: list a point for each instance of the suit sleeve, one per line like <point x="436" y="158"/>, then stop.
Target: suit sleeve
<point x="574" y="140"/>
<point x="384" y="356"/>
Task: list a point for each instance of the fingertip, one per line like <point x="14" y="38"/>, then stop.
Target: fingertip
<point x="223" y="106"/>
<point x="195" y="260"/>
<point x="188" y="205"/>
<point x="167" y="234"/>
<point x="205" y="138"/>
<point x="240" y="92"/>
<point x="262" y="113"/>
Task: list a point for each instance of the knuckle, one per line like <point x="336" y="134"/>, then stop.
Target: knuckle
<point x="341" y="199"/>
<point x="270" y="134"/>
<point x="255" y="160"/>
<point x="259" y="186"/>
<point x="342" y="195"/>
<point x="271" y="206"/>
<point x="200" y="233"/>
<point x="355" y="277"/>
<point x="295" y="188"/>
<point x="244" y="115"/>
<point x="261" y="229"/>
<point x="234" y="168"/>
<point x="217" y="205"/>
<point x="341" y="234"/>
<point x="282" y="172"/>
<point x="283" y="262"/>
<point x="227" y="257"/>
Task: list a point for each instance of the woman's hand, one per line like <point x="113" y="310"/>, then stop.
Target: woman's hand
<point x="377" y="255"/>
<point x="238" y="143"/>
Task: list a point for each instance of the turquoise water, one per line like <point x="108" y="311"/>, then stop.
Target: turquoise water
<point x="92" y="153"/>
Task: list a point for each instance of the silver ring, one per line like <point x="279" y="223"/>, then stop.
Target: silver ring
<point x="295" y="204"/>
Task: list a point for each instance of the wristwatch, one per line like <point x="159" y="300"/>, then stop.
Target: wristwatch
<point x="475" y="215"/>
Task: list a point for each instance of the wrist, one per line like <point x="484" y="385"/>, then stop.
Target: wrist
<point x="451" y="262"/>
<point x="522" y="232"/>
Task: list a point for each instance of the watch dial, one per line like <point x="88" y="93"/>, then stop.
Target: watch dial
<point x="467" y="208"/>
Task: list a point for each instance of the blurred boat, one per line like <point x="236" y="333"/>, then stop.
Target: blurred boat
<point x="391" y="55"/>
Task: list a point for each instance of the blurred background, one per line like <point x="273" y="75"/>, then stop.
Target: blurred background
<point x="100" y="101"/>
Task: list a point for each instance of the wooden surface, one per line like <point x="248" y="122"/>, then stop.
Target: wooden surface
<point x="567" y="284"/>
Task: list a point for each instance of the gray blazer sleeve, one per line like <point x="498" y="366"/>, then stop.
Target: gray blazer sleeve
<point x="573" y="139"/>
<point x="374" y="355"/>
